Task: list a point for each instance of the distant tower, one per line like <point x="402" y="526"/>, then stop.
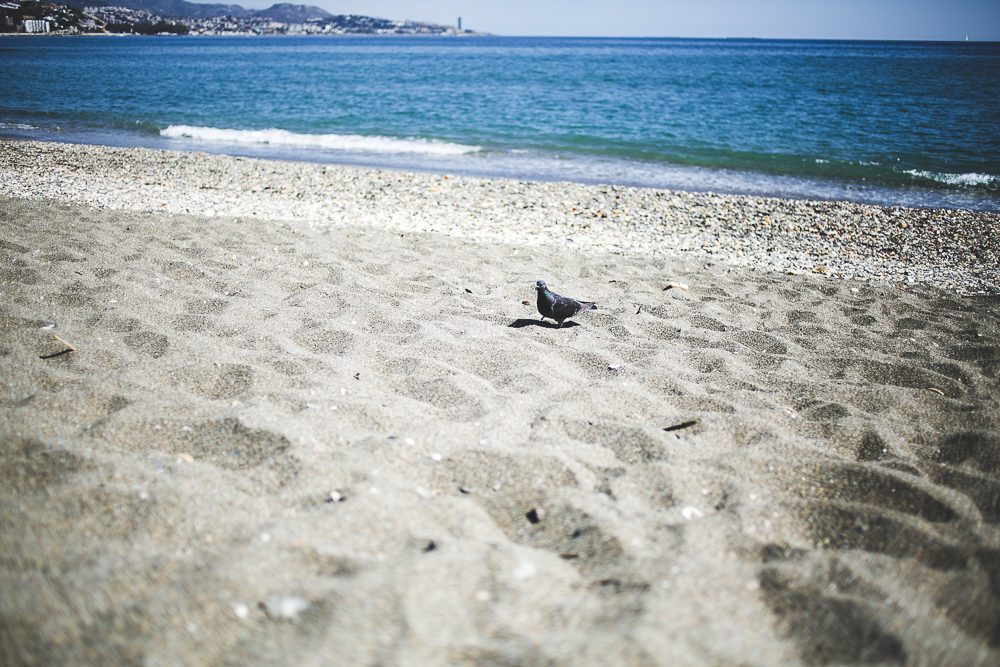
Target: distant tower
<point x="459" y="22"/>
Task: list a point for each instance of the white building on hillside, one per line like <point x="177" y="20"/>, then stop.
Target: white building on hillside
<point x="35" y="26"/>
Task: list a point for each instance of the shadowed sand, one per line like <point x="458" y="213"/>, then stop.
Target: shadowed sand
<point x="283" y="445"/>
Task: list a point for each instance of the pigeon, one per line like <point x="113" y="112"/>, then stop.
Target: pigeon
<point x="559" y="308"/>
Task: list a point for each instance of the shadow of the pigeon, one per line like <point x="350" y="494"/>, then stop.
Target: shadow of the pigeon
<point x="520" y="323"/>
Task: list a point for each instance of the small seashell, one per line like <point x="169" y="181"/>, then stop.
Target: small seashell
<point x="241" y="610"/>
<point x="691" y="512"/>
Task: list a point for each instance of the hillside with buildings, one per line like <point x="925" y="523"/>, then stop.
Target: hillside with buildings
<point x="158" y="17"/>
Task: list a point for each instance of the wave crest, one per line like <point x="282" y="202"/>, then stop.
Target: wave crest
<point x="340" y="142"/>
<point x="964" y="180"/>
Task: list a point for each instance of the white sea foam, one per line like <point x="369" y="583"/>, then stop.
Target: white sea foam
<point x="955" y="179"/>
<point x="339" y="142"/>
<point x="16" y="126"/>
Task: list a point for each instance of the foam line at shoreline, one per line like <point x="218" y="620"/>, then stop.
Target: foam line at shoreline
<point x="340" y="142"/>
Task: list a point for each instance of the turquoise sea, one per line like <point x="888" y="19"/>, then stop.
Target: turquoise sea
<point x="882" y="122"/>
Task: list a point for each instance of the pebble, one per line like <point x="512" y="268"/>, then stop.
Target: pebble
<point x="286" y="607"/>
<point x="951" y="249"/>
<point x="525" y="570"/>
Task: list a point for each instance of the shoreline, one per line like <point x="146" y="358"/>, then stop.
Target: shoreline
<point x="323" y="435"/>
<point x="951" y="249"/>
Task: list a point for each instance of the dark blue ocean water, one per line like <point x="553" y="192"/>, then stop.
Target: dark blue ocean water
<point x="891" y="123"/>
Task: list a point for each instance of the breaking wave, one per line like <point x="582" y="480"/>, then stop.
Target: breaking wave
<point x="960" y="180"/>
<point x="340" y="142"/>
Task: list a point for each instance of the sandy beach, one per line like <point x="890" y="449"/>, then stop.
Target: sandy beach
<point x="269" y="413"/>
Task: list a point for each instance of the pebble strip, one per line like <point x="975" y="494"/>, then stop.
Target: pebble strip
<point x="952" y="249"/>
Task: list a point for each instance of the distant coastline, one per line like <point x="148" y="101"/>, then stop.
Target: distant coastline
<point x="176" y="17"/>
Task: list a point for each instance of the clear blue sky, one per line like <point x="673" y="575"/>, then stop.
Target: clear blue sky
<point x="789" y="19"/>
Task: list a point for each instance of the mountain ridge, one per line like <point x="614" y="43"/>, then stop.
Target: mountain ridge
<point x="289" y="13"/>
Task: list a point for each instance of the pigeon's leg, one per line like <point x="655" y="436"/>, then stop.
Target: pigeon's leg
<point x="559" y="326"/>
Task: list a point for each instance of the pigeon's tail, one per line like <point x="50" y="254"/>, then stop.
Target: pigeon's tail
<point x="587" y="305"/>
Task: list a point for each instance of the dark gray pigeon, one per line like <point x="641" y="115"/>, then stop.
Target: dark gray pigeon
<point x="559" y="308"/>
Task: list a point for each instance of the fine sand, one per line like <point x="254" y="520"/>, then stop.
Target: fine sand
<point x="281" y="443"/>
